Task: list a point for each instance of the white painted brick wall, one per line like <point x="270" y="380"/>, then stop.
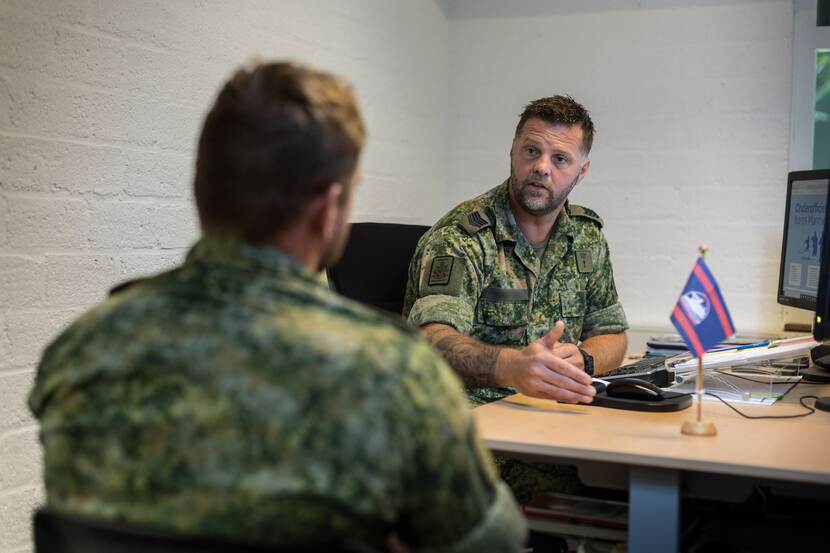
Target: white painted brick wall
<point x="101" y="101"/>
<point x="691" y="100"/>
<point x="100" y="106"/>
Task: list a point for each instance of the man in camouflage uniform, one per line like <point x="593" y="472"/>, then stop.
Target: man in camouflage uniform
<point x="515" y="287"/>
<point x="236" y="396"/>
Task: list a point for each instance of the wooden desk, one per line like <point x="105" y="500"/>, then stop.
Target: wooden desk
<point x="646" y="452"/>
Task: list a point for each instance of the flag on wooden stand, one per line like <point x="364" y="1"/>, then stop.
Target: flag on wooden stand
<point x="700" y="315"/>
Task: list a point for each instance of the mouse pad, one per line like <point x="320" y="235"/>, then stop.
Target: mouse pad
<point x="672" y="401"/>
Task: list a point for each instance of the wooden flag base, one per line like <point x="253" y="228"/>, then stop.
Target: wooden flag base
<point x="698" y="428"/>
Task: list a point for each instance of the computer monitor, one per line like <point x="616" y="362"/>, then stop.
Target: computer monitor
<point x="804" y="278"/>
<point x="801" y="251"/>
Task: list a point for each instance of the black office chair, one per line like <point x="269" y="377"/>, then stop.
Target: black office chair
<point x="56" y="532"/>
<point x="375" y="264"/>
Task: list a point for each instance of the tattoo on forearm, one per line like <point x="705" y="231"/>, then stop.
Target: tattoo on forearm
<point x="474" y="362"/>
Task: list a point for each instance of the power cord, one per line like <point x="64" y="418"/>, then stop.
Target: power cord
<point x="810" y="411"/>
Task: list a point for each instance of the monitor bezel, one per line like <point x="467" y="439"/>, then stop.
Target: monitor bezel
<point x="821" y="324"/>
<point x="815" y="174"/>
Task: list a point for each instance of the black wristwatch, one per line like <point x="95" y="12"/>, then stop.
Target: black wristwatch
<point x="588" y="361"/>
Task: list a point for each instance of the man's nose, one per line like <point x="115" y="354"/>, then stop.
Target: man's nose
<point x="541" y="167"/>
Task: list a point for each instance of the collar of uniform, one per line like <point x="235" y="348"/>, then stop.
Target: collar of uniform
<point x="561" y="238"/>
<point x="564" y="223"/>
<point x="244" y="256"/>
<point x="506" y="228"/>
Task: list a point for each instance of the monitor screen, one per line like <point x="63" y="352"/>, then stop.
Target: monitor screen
<point x="801" y="253"/>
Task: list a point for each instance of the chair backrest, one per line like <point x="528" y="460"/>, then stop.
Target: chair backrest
<point x="375" y="264"/>
<point x="56" y="532"/>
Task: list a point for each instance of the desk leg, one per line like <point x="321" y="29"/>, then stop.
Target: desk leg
<point x="653" y="510"/>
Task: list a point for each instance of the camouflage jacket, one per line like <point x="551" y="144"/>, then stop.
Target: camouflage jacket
<point x="236" y="396"/>
<point x="475" y="270"/>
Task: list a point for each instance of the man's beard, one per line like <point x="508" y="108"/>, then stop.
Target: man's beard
<point x="540" y="200"/>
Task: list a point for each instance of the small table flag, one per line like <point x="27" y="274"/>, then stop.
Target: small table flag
<point x="700" y="315"/>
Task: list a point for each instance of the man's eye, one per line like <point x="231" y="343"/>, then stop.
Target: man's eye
<point x="530" y="150"/>
<point x="559" y="160"/>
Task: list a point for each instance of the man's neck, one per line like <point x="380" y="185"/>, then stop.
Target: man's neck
<point x="300" y="245"/>
<point x="294" y="242"/>
<point x="536" y="228"/>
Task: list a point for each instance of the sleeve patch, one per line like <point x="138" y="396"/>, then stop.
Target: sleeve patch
<point x="440" y="271"/>
<point x="584" y="262"/>
<point x="443" y="274"/>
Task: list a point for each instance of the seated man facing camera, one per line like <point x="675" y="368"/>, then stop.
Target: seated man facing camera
<point x="237" y="397"/>
<point x="515" y="287"/>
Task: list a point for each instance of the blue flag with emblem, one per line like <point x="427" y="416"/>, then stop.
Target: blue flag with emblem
<point x="701" y="316"/>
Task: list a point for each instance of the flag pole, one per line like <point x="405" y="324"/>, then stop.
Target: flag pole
<point x="699" y="427"/>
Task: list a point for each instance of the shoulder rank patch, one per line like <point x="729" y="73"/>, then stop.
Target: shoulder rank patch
<point x="579" y="211"/>
<point x="584" y="261"/>
<point x="474" y="222"/>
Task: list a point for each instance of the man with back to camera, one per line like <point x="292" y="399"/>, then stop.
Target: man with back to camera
<point x="237" y="397"/>
<point x="515" y="287"/>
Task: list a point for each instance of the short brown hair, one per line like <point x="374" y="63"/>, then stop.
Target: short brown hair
<point x="560" y="110"/>
<point x="277" y="135"/>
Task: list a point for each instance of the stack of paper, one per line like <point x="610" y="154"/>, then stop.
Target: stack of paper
<point x="750" y="354"/>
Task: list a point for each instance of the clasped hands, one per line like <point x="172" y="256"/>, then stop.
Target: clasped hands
<point x="547" y="369"/>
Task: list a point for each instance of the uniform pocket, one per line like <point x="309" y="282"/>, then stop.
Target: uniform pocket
<point x="504" y="313"/>
<point x="572" y="303"/>
<point x="504" y="306"/>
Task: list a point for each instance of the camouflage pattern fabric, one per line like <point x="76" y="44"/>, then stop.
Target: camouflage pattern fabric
<point x="475" y="270"/>
<point x="236" y="396"/>
<point x="527" y="479"/>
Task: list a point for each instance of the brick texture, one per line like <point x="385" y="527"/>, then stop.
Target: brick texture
<point x="101" y="102"/>
<point x="100" y="107"/>
<point x="692" y="109"/>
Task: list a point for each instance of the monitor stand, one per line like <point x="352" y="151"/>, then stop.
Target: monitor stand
<point x="819" y="373"/>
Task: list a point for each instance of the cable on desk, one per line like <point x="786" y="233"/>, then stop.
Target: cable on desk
<point x="811" y="410"/>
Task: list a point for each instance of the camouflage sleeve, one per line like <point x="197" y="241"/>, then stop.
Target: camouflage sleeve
<point x="445" y="280"/>
<point x="453" y="499"/>
<point x="604" y="314"/>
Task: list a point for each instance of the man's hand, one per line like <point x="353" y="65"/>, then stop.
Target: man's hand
<point x="570" y="353"/>
<point x="546" y="369"/>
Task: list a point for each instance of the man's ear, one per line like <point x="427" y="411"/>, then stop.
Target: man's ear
<point x="325" y="209"/>
<point x="584" y="170"/>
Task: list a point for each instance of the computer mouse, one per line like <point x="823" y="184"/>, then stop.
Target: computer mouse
<point x="634" y="388"/>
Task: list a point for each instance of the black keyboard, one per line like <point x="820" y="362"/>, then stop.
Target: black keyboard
<point x="651" y="368"/>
